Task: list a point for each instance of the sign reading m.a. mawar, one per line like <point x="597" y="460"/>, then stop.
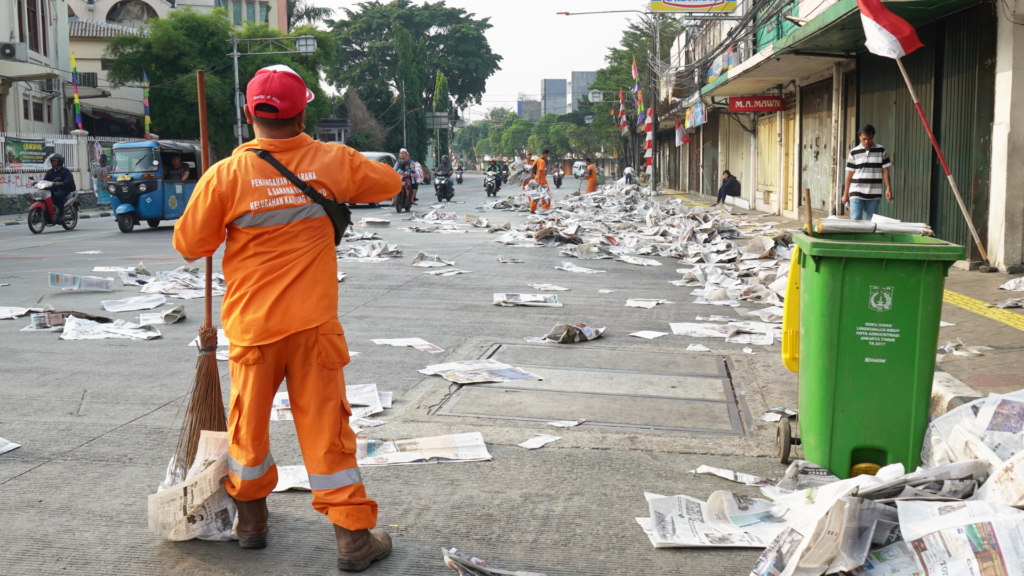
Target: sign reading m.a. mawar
<point x="757" y="104"/>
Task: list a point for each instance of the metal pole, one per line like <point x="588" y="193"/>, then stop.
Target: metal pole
<point x="949" y="175"/>
<point x="654" y="105"/>
<point x="404" y="142"/>
<point x="238" y="109"/>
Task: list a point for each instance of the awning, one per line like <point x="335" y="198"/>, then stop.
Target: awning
<point x="832" y="36"/>
<point x="110" y="114"/>
<point x="763" y="71"/>
<point x="84" y="92"/>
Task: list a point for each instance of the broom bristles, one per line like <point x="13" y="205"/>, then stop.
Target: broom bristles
<point x="205" y="406"/>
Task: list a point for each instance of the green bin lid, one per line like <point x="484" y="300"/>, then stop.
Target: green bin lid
<point x="881" y="246"/>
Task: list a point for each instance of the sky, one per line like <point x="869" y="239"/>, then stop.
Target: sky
<point x="535" y="43"/>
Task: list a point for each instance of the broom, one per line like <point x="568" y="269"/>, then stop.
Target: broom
<point x="206" y="405"/>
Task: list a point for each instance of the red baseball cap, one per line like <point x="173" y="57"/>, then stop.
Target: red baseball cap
<point x="279" y="86"/>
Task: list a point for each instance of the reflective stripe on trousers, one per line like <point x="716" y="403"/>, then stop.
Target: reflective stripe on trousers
<point x="249" y="472"/>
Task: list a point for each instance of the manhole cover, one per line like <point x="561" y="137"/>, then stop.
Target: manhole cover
<point x="613" y="388"/>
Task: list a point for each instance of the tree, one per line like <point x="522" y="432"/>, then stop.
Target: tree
<point x="409" y="78"/>
<point x="365" y="132"/>
<point x="441" y="105"/>
<point x="498" y="113"/>
<point x="466" y="139"/>
<point x="454" y="42"/>
<point x="187" y="41"/>
<point x="483" y="148"/>
<point x="516" y="136"/>
<point x="304" y="12"/>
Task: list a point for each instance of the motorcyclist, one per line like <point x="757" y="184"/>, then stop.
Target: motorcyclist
<point x="493" y="167"/>
<point x="63" y="184"/>
<point x="403" y="156"/>
<point x="445" y="169"/>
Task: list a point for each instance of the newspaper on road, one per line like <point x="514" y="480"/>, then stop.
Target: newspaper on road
<point x="647" y="303"/>
<point x="82" y="329"/>
<point x="292" y="478"/>
<point x="134" y="303"/>
<point x="572" y="333"/>
<point x="446" y="272"/>
<point x="11" y="312"/>
<point x="682" y="522"/>
<point x="547" y="287"/>
<point x="468" y="447"/>
<point x="417" y="343"/>
<point x="777" y="414"/>
<point x="466" y="565"/>
<point x="82" y="283"/>
<point x="364" y="400"/>
<point x="281" y="407"/>
<point x="168" y="316"/>
<point x="199" y="506"/>
<point x="649" y="334"/>
<point x="538" y="440"/>
<point x="6" y="446"/>
<point x="478" y="371"/>
<point x="424" y="260"/>
<point x="538" y="300"/>
<point x="567" y="423"/>
<point x="570" y="267"/>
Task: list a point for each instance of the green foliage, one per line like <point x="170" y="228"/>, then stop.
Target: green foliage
<point x="454" y="42"/>
<point x="304" y="12"/>
<point x="468" y="137"/>
<point x="187" y="41"/>
<point x="498" y="113"/>
<point x="441" y="105"/>
<point x="515" y="137"/>
<point x="409" y="76"/>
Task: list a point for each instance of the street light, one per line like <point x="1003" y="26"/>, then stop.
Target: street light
<point x="303" y="45"/>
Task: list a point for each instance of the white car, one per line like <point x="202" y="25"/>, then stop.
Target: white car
<point x="579" y="168"/>
<point x="382" y="157"/>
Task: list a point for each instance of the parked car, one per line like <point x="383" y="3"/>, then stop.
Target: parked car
<point x="579" y="168"/>
<point x="382" y="157"/>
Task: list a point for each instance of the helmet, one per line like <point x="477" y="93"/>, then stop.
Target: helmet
<point x="57" y="156"/>
<point x="444" y="158"/>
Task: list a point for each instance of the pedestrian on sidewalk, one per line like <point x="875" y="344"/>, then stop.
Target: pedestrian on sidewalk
<point x="591" y="176"/>
<point x="628" y="174"/>
<point x="730" y="187"/>
<point x="280" y="311"/>
<point x="99" y="178"/>
<point x="867" y="169"/>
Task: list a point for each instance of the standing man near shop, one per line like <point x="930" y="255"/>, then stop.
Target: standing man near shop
<point x="867" y="169"/>
<point x="280" y="310"/>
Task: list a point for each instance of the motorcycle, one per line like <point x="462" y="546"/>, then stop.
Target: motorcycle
<point x="491" y="183"/>
<point x="504" y="175"/>
<point x="403" y="200"/>
<point x="557" y="178"/>
<point x="458" y="176"/>
<point x="441" y="188"/>
<point x="42" y="214"/>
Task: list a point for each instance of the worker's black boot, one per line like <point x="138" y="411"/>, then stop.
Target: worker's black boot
<point x="252" y="524"/>
<point x="357" y="549"/>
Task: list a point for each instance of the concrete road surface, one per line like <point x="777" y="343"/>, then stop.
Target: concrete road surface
<point x="94" y="418"/>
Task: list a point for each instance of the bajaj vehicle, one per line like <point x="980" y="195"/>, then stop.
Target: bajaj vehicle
<point x="143" y="185"/>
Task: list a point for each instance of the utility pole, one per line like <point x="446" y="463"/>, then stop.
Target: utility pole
<point x="404" y="143"/>
<point x="238" y="93"/>
<point x="654" y="106"/>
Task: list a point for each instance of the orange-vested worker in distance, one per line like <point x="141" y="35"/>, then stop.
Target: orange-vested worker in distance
<point x="540" y="174"/>
<point x="280" y="310"/>
<point x="528" y="166"/>
<point x="591" y="176"/>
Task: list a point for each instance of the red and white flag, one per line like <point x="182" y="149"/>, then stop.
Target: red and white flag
<point x="679" y="132"/>
<point x="887" y="34"/>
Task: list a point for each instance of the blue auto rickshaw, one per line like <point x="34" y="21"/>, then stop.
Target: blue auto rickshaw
<point x="145" y="185"/>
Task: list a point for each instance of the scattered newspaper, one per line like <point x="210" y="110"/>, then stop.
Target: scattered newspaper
<point x="504" y="260"/>
<point x="547" y="287"/>
<point x="364" y="400"/>
<point x="540" y="300"/>
<point x="417" y="343"/>
<point x="199" y="506"/>
<point x="466" y="565"/>
<point x="649" y="334"/>
<point x="223" y="345"/>
<point x="169" y="316"/>
<point x="468" y="447"/>
<point x="478" y="371"/>
<point x="647" y="303"/>
<point x="446" y="272"/>
<point x="748" y="479"/>
<point x="6" y="446"/>
<point x="573" y="333"/>
<point x="11" y="312"/>
<point x="638" y="261"/>
<point x="538" y="440"/>
<point x="682" y="522"/>
<point x="567" y="423"/>
<point x="570" y="267"/>
<point x="424" y="260"/>
<point x="281" y="407"/>
<point x="82" y="329"/>
<point x="374" y="223"/>
<point x="134" y="303"/>
<point x="777" y="414"/>
<point x="83" y="283"/>
<point x="292" y="478"/>
<point x="697" y="348"/>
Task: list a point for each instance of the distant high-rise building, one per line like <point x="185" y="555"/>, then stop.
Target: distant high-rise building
<point x="528" y="107"/>
<point x="552" y="96"/>
<point x="580" y="86"/>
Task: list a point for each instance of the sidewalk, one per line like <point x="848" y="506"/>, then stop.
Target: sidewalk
<point x="967" y="293"/>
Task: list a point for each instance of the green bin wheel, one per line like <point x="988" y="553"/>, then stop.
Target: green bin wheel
<point x="784" y="440"/>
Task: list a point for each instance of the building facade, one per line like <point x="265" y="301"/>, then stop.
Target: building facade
<point x="552" y="96"/>
<point x="528" y="108"/>
<point x="579" y="86"/>
<point x="811" y="55"/>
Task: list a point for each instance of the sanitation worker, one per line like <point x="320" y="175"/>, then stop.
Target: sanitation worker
<point x="540" y="174"/>
<point x="591" y="176"/>
<point x="280" y="310"/>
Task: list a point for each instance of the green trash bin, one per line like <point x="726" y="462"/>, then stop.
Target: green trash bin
<point x="869" y="329"/>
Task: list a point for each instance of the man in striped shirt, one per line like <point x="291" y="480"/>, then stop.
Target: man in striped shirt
<point x="867" y="169"/>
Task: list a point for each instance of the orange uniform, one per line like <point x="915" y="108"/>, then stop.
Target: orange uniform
<point x="541" y="167"/>
<point x="591" y="179"/>
<point x="280" y="310"/>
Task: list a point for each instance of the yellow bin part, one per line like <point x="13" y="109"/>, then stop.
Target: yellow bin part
<point x="791" y="316"/>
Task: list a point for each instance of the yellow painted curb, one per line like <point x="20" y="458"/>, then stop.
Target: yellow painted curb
<point x="1011" y="319"/>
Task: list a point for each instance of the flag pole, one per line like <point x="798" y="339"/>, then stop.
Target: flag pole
<point x="949" y="175"/>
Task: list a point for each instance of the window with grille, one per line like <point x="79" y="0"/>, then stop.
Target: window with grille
<point x="90" y="79"/>
<point x="264" y="12"/>
<point x="106" y="64"/>
<point x="37" y="111"/>
<point x="44" y="25"/>
<point x="250" y="11"/>
<point x="236" y="12"/>
<point x="33" y="25"/>
<point x="24" y="108"/>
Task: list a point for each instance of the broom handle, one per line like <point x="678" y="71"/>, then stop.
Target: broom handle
<point x="205" y="143"/>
